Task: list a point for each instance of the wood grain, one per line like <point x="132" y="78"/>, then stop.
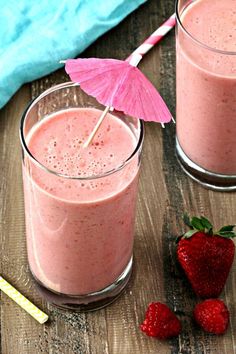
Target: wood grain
<point x="164" y="194"/>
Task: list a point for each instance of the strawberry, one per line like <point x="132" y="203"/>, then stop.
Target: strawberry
<point x="206" y="256"/>
<point x="212" y="315"/>
<point x="160" y="322"/>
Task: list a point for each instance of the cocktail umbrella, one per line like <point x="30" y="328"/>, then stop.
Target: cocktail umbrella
<point x="120" y="84"/>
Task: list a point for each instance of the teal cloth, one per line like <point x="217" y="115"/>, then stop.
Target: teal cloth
<point x="36" y="35"/>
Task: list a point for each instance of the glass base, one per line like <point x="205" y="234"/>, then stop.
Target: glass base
<point x="210" y="180"/>
<point x="90" y="302"/>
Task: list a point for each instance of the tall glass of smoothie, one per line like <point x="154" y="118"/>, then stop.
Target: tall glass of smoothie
<point x="79" y="202"/>
<point x="206" y="91"/>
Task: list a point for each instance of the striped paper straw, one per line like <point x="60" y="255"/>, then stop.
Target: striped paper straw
<point x="149" y="43"/>
<point x="15" y="295"/>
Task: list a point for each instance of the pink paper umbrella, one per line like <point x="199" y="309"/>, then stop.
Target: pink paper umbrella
<point x="120" y="84"/>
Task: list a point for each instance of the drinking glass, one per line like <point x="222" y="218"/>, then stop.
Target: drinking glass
<point x="80" y="251"/>
<point x="205" y="108"/>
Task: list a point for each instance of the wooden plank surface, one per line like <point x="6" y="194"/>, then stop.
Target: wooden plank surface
<point x="164" y="194"/>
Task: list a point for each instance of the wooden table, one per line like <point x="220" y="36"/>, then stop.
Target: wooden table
<point x="164" y="194"/>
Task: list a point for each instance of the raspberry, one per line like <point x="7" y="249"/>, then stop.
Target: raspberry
<point x="212" y="315"/>
<point x="160" y="322"/>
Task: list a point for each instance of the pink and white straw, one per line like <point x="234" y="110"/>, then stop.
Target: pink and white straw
<point x="150" y="42"/>
<point x="153" y="39"/>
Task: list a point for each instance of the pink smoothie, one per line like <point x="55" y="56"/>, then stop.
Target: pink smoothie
<point x="80" y="232"/>
<point x="206" y="85"/>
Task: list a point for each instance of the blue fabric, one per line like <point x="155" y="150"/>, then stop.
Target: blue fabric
<point x="35" y="35"/>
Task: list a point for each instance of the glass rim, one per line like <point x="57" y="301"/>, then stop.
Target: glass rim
<point x="205" y="46"/>
<point x="43" y="167"/>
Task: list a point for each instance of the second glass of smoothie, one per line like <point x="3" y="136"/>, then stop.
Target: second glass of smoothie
<point x="206" y="91"/>
<point x="79" y="202"/>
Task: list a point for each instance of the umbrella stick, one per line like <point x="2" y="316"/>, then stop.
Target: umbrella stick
<point x="95" y="129"/>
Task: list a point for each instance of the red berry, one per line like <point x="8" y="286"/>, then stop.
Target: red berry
<point x="160" y="322"/>
<point x="212" y="315"/>
<point x="206" y="260"/>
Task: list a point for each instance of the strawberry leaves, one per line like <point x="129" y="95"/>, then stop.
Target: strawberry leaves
<point x="202" y="224"/>
<point x="226" y="231"/>
<point x="190" y="233"/>
<point x="206" y="223"/>
<point x="197" y="224"/>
